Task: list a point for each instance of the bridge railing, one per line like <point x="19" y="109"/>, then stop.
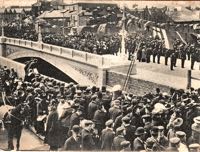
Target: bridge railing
<point x="81" y="56"/>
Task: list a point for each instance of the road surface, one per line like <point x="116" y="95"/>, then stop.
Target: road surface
<point x="161" y="74"/>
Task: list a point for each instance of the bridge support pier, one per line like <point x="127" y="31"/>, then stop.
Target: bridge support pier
<point x="2" y="47"/>
<point x="102" y="72"/>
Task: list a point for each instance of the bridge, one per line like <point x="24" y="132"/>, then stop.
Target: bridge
<point x="84" y="68"/>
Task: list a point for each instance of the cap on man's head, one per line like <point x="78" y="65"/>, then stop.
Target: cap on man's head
<point x="180" y="134"/>
<point x="125" y="143"/>
<point x="194" y="146"/>
<point x="126" y="120"/>
<point x="109" y="122"/>
<point x="119" y="129"/>
<point x="76" y="128"/>
<point x="174" y="140"/>
<point x="88" y="122"/>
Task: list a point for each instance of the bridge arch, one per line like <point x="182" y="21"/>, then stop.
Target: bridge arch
<point x="70" y="69"/>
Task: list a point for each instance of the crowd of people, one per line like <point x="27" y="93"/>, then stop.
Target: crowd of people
<point x="74" y="117"/>
<point x="26" y="33"/>
<point x="111" y="44"/>
<point x="155" y="47"/>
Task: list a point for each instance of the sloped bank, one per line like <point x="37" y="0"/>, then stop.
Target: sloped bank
<point x="135" y="86"/>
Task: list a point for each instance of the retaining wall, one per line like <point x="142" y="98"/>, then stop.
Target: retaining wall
<point x="135" y="86"/>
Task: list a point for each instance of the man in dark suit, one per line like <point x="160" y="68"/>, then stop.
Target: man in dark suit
<point x="76" y="117"/>
<point x="52" y="129"/>
<point x="183" y="55"/>
<point x="107" y="136"/>
<point x="138" y="143"/>
<point x="87" y="141"/>
<point x="129" y="130"/>
<point x="73" y="142"/>
<point x="194" y="56"/>
<point x="167" y="55"/>
<point x="172" y="63"/>
<point x="118" y="139"/>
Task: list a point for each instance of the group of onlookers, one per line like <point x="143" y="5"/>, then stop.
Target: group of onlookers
<point x="74" y="117"/>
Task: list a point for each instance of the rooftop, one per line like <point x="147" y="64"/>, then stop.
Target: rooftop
<point x="185" y="15"/>
<point x="55" y="14"/>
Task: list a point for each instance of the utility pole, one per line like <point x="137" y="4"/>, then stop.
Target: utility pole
<point x="2" y="24"/>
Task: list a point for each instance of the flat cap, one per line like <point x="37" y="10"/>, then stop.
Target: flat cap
<point x="119" y="129"/>
<point x="194" y="146"/>
<point x="180" y="134"/>
<point x="109" y="122"/>
<point x="125" y="143"/>
<point x="126" y="119"/>
<point x="174" y="140"/>
<point x="88" y="122"/>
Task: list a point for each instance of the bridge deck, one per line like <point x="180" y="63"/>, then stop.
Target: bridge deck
<point x="161" y="74"/>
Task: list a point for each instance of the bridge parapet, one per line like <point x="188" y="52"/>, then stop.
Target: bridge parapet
<point x="81" y="56"/>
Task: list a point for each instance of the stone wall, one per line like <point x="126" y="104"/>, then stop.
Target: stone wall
<point x="19" y="67"/>
<point x="135" y="86"/>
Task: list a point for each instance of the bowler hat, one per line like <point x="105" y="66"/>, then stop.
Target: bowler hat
<point x="154" y="130"/>
<point x="139" y="131"/>
<point x="76" y="128"/>
<point x="103" y="88"/>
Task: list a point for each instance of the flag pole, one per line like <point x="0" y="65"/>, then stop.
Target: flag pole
<point x="123" y="51"/>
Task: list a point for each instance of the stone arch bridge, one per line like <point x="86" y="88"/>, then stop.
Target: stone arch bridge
<point x="84" y="68"/>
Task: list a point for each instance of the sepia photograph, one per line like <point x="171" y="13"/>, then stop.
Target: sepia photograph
<point x="97" y="75"/>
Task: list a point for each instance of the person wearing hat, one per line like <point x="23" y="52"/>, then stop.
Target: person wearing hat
<point x="52" y="129"/>
<point x="118" y="139"/>
<point x="154" y="137"/>
<point x="106" y="98"/>
<point x="76" y="117"/>
<point x="182" y="136"/>
<point x="107" y="136"/>
<point x="117" y="92"/>
<point x="129" y="130"/>
<point x="87" y="97"/>
<point x="138" y="143"/>
<point x="92" y="107"/>
<point x="195" y="137"/>
<point x="118" y="120"/>
<point x="162" y="139"/>
<point x="87" y="141"/>
<point x="73" y="142"/>
<point x="149" y="145"/>
<point x="115" y="110"/>
<point x="174" y="144"/>
<point x="194" y="147"/>
<point x="125" y="146"/>
<point x="174" y="126"/>
<point x="100" y="117"/>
